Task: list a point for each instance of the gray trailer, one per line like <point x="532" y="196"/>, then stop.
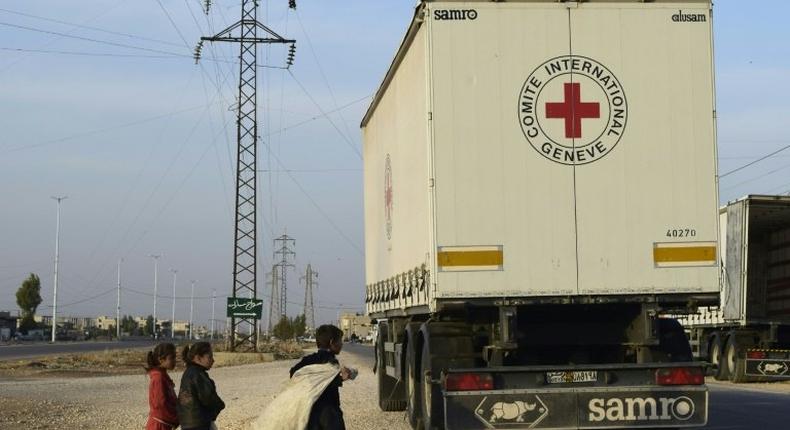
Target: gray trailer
<point x="747" y="337"/>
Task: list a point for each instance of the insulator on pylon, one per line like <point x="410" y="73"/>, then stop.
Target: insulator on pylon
<point x="291" y="55"/>
<point x="206" y="6"/>
<point x="292" y="4"/>
<point x="198" y="50"/>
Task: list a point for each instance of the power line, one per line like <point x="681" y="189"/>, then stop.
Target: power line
<point x="88" y="39"/>
<point x="755" y="161"/>
<point x="325" y="115"/>
<point x="91" y="54"/>
<point x="756" y="178"/>
<point x="318" y="207"/>
<point x="101" y="130"/>
<point x="310" y="170"/>
<point x="321" y="69"/>
<point x="87" y="299"/>
<point x="86" y="27"/>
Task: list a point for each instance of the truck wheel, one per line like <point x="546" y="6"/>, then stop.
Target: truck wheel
<point x="431" y="394"/>
<point x="735" y="364"/>
<point x="412" y="381"/>
<point x="388" y="386"/>
<point x="717" y="357"/>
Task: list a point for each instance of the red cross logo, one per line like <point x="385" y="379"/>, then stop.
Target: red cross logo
<point x="572" y="110"/>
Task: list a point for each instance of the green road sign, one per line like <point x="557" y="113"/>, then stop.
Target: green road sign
<point x="238" y="307"/>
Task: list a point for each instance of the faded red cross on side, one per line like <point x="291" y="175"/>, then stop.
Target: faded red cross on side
<point x="572" y="110"/>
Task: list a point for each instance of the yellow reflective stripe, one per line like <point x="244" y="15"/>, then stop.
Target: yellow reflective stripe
<point x="684" y="254"/>
<point x="470" y="258"/>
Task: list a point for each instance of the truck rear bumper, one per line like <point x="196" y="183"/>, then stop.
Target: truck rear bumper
<point x="578" y="408"/>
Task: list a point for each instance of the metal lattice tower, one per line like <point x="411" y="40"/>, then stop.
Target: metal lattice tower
<point x="282" y="248"/>
<point x="274" y="300"/>
<point x="245" y="33"/>
<point x="310" y="282"/>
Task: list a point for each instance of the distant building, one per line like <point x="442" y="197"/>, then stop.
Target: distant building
<point x="105" y="322"/>
<point x="182" y="327"/>
<point x="7" y="326"/>
<point x="67" y="322"/>
<point x="141" y="321"/>
<point x="355" y="324"/>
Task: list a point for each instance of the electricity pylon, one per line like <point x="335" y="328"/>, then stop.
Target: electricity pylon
<point x="282" y="248"/>
<point x="245" y="33"/>
<point x="274" y="303"/>
<point x="310" y="282"/>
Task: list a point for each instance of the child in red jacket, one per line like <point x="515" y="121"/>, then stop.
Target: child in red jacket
<point x="161" y="389"/>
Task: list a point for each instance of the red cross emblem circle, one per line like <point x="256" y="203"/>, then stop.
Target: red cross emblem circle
<point x="572" y="110"/>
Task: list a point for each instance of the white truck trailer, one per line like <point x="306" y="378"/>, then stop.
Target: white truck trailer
<point x="747" y="337"/>
<point x="540" y="185"/>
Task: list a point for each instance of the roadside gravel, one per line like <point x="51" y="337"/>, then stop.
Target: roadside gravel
<point x="120" y="402"/>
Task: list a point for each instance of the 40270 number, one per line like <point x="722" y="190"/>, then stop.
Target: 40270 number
<point x="681" y="232"/>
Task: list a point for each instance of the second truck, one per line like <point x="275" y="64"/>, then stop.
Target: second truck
<point x="540" y="189"/>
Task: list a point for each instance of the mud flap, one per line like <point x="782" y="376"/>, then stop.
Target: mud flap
<point x="768" y="368"/>
<point x="565" y="408"/>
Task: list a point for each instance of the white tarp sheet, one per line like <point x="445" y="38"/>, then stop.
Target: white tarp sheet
<point x="290" y="410"/>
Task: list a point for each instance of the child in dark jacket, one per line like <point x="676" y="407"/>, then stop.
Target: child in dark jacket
<point x="326" y="413"/>
<point x="198" y="402"/>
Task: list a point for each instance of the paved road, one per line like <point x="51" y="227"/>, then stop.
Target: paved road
<point x="744" y="407"/>
<point x="32" y="350"/>
<point x="732" y="407"/>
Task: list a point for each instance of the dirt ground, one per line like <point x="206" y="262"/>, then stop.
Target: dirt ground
<point x="120" y="401"/>
<point x="127" y="362"/>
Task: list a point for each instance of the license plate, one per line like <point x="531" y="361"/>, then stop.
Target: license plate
<point x="571" y="377"/>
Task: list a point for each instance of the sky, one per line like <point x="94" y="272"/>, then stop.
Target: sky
<point x="102" y="102"/>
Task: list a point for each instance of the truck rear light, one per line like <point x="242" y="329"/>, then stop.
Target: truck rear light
<point x="756" y="355"/>
<point x="680" y="376"/>
<point x="469" y="382"/>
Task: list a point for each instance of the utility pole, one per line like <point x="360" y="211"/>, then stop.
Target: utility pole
<point x="156" y="258"/>
<point x="310" y="282"/>
<point x="173" y="317"/>
<point x="284" y="251"/>
<point x="245" y="239"/>
<point x="213" y="300"/>
<point x="191" y="308"/>
<point x="118" y="307"/>
<point x="57" y="258"/>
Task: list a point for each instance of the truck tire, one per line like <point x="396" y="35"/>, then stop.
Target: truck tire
<point x="735" y="363"/>
<point x="717" y="357"/>
<point x="413" y="380"/>
<point x="388" y="386"/>
<point x="445" y="345"/>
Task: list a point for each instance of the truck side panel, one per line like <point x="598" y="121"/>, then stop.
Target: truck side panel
<point x="396" y="158"/>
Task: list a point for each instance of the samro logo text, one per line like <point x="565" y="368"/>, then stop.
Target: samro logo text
<point x="641" y="409"/>
<point x="454" y="14"/>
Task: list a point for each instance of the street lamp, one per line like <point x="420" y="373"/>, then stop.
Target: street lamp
<point x="191" y="307"/>
<point x="156" y="258"/>
<point x="57" y="257"/>
<point x="173" y="320"/>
